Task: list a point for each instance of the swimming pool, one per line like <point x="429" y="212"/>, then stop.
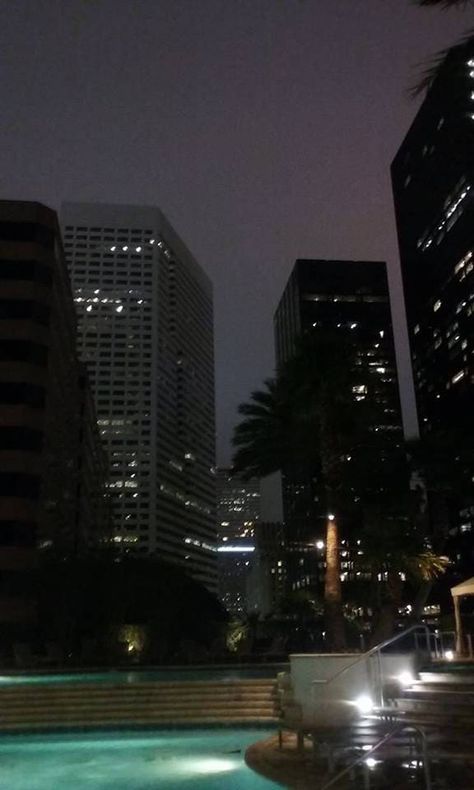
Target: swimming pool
<point x="204" y="759"/>
<point x="224" y="673"/>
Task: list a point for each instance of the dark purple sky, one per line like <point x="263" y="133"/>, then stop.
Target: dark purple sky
<point x="264" y="129"/>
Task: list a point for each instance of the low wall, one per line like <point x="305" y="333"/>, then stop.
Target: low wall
<point x="327" y="697"/>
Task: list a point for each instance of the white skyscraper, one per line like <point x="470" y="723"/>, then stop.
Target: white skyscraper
<point x="145" y="330"/>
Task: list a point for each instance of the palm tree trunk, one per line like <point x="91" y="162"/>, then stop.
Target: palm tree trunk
<point x="334" y="620"/>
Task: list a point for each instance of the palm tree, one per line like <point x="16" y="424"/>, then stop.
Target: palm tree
<point x="394" y="552"/>
<point x="442" y="463"/>
<point x="444" y="3"/>
<point x="305" y="419"/>
<point x="434" y="67"/>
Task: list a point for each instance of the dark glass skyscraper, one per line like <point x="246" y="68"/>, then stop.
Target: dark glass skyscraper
<point x="433" y="185"/>
<point x="350" y="297"/>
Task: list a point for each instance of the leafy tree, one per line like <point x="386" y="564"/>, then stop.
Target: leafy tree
<point x="91" y="597"/>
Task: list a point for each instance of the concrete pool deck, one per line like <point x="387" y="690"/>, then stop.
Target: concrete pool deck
<point x="300" y="770"/>
<point x="288" y="766"/>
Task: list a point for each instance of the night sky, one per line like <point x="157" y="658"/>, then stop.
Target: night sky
<point x="263" y="129"/>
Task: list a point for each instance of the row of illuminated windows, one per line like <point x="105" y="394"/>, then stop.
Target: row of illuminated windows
<point x="343" y="298"/>
<point x="452" y="209"/>
<point x="82" y="250"/>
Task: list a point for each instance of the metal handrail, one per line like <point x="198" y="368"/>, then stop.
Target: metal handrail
<point x="386" y="738"/>
<point x="377" y="649"/>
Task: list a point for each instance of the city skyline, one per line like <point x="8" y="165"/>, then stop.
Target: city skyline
<point x="255" y="142"/>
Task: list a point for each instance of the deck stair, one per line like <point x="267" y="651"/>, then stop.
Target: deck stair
<point x="54" y="706"/>
<point x="432" y="720"/>
<point x="429" y="722"/>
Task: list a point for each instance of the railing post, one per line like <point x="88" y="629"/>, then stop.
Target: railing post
<point x="426" y="761"/>
<point x="379" y="657"/>
<point x="366" y="771"/>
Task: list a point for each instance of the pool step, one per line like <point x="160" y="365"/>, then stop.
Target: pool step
<point x="161" y="704"/>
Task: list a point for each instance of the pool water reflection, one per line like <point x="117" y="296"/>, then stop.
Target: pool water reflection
<point x="201" y="759"/>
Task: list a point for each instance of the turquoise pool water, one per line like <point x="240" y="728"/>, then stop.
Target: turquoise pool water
<point x="162" y="760"/>
<point x="144" y="675"/>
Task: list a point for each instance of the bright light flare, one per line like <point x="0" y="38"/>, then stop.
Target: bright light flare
<point x="210" y="765"/>
<point x="405" y="678"/>
<point x="370" y="762"/>
<point x="364" y="703"/>
<point x="449" y="655"/>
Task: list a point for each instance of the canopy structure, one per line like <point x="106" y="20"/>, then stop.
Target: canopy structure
<point x="465" y="588"/>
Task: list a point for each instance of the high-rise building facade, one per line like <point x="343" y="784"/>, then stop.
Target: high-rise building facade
<point x="267" y="584"/>
<point x="350" y="297"/>
<point x="145" y="332"/>
<point x="238" y="511"/>
<point x="52" y="468"/>
<point x="433" y="185"/>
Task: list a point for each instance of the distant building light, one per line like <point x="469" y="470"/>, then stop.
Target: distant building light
<point x="232" y="549"/>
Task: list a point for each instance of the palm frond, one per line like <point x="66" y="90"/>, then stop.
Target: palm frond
<point x="433" y="67"/>
<point x="427" y="566"/>
<point x="444" y="3"/>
